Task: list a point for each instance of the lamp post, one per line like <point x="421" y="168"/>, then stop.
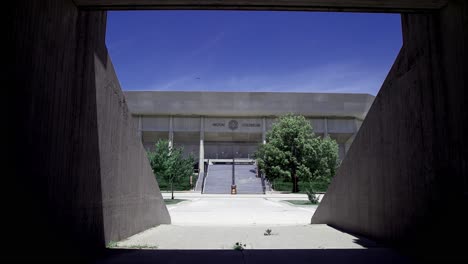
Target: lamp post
<point x="233" y="183"/>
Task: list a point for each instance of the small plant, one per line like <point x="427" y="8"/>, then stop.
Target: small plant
<point x="311" y="195"/>
<point x="112" y="244"/>
<point x="267" y="232"/>
<point x="239" y="246"/>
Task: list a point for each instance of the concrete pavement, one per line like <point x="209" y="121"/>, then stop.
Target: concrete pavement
<point x="224" y="237"/>
<point x="219" y="221"/>
<point x="239" y="210"/>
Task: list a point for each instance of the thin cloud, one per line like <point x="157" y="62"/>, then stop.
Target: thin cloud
<point x="332" y="78"/>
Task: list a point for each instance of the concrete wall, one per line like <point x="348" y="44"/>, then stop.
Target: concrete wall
<point x="55" y="201"/>
<point x="252" y="104"/>
<point x="404" y="179"/>
<point x="247" y="135"/>
<point x="131" y="198"/>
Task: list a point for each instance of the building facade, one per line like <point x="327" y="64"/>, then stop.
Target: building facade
<point x="226" y="125"/>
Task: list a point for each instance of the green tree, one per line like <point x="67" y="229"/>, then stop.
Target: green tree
<point x="169" y="163"/>
<point x="293" y="151"/>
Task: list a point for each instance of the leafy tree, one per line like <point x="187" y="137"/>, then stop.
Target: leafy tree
<point x="169" y="163"/>
<point x="293" y="151"/>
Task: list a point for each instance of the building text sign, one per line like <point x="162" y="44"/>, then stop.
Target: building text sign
<point x="235" y="124"/>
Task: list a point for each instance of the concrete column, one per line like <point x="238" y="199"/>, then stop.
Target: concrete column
<point x="171" y="132"/>
<point x="140" y="132"/>
<point x="201" y="161"/>
<point x="263" y="130"/>
<point x="349" y="142"/>
<point x="351" y="139"/>
<point x="325" y="127"/>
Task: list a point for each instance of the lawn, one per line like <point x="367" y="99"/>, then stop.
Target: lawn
<point x="300" y="202"/>
<point x="286" y="186"/>
<point x="173" y="201"/>
<point x="183" y="185"/>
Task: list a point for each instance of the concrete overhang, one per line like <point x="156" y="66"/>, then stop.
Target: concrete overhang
<point x="248" y="104"/>
<point x="384" y="6"/>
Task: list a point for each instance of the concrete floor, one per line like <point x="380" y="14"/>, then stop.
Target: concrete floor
<point x="240" y="210"/>
<point x="224" y="237"/>
<point x="219" y="221"/>
<point x="206" y="227"/>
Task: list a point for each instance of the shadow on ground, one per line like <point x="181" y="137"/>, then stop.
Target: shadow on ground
<point x="316" y="256"/>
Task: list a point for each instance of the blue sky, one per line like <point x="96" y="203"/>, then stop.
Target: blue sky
<point x="252" y="51"/>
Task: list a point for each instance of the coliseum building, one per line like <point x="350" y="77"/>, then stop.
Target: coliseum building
<point x="226" y="125"/>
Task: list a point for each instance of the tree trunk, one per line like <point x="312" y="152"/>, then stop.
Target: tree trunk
<point x="172" y="191"/>
<point x="295" y="181"/>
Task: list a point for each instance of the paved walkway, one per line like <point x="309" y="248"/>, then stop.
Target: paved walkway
<point x="204" y="224"/>
<point x="218" y="221"/>
<point x="239" y="210"/>
<point x="224" y="237"/>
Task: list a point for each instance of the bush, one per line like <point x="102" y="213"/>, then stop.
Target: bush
<point x="312" y="196"/>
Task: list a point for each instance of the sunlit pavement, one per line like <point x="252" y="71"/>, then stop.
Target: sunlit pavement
<point x="260" y="222"/>
<point x="224" y="237"/>
<point x="239" y="210"/>
<point x="219" y="221"/>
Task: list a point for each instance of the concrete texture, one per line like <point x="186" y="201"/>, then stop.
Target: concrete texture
<point x="224" y="237"/>
<point x="178" y="115"/>
<point x="69" y="135"/>
<point x="131" y="198"/>
<point x="316" y="256"/>
<point x="245" y="104"/>
<point x="404" y="179"/>
<point x="240" y="210"/>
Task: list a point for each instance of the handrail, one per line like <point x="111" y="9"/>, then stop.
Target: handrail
<point x="233" y="172"/>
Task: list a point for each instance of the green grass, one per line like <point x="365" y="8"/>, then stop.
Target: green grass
<point x="141" y="246"/>
<point x="183" y="185"/>
<point x="173" y="201"/>
<point x="286" y="186"/>
<point x="300" y="202"/>
<point x="112" y="244"/>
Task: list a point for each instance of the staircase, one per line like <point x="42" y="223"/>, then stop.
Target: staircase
<point x="219" y="179"/>
<point x="246" y="181"/>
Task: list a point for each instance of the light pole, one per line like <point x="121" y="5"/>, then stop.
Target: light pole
<point x="233" y="183"/>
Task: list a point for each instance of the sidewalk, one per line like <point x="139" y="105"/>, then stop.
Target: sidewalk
<point x="191" y="195"/>
<point x="219" y="237"/>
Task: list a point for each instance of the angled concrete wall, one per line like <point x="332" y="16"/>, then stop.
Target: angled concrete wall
<point x="131" y="197"/>
<point x="404" y="179"/>
<point x="75" y="176"/>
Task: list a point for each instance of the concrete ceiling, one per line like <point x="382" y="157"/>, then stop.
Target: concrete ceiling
<point x="386" y="6"/>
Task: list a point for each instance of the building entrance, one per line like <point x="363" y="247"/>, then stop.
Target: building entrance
<point x="229" y="150"/>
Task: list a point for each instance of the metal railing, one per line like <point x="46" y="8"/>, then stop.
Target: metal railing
<point x="233" y="172"/>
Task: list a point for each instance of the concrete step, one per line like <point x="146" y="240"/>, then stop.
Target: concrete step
<point x="246" y="181"/>
<point x="219" y="179"/>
